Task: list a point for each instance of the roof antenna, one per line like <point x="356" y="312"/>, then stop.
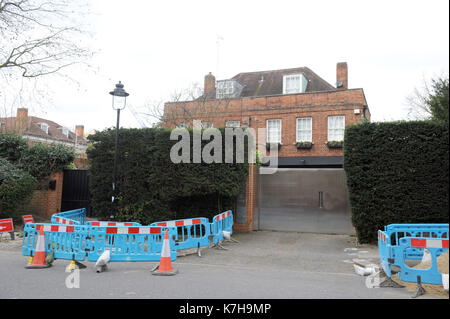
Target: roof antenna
<point x="218" y="39"/>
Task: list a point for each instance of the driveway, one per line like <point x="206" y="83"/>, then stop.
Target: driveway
<point x="263" y="265"/>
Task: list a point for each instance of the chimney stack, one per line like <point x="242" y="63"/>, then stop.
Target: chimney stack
<point x="79" y="130"/>
<point x="21" y="120"/>
<point x="210" y="84"/>
<point x="342" y="76"/>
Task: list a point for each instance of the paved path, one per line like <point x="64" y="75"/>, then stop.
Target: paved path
<point x="272" y="265"/>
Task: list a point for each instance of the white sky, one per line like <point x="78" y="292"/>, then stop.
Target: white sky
<point x="156" y="47"/>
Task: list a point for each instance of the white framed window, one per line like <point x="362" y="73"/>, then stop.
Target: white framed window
<point x="44" y="127"/>
<point x="206" y="125"/>
<point x="228" y="89"/>
<point x="294" y="83"/>
<point x="336" y="128"/>
<point x="65" y="131"/>
<point x="304" y="129"/>
<point x="182" y="125"/>
<point x="273" y="131"/>
<point x="232" y="124"/>
<point x="224" y="89"/>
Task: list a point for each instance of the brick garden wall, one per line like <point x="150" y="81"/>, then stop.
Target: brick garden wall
<point x="47" y="202"/>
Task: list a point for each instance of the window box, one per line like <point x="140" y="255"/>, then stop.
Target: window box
<point x="335" y="144"/>
<point x="303" y="145"/>
<point x="273" y="145"/>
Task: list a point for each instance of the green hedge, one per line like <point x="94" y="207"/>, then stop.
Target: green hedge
<point x="39" y="160"/>
<point x="396" y="173"/>
<point x="16" y="188"/>
<point x="150" y="187"/>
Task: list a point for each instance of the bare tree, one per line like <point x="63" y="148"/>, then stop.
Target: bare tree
<point x="39" y="38"/>
<point x="416" y="103"/>
<point x="421" y="102"/>
<point x="186" y="105"/>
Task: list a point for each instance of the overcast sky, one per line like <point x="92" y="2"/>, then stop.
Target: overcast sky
<point x="156" y="47"/>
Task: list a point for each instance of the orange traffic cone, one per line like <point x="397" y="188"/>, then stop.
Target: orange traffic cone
<point x="39" y="254"/>
<point x="165" y="264"/>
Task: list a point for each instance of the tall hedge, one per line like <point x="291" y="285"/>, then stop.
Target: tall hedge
<point x="150" y="186"/>
<point x="16" y="188"/>
<point x="397" y="172"/>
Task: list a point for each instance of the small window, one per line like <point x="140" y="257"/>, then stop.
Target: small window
<point x="232" y="124"/>
<point x="65" y="131"/>
<point x="336" y="128"/>
<point x="304" y="129"/>
<point x="294" y="83"/>
<point x="44" y="127"/>
<point x="273" y="131"/>
<point x="182" y="125"/>
<point x="206" y="125"/>
<point x="228" y="89"/>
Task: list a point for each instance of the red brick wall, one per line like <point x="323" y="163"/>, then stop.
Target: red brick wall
<point x="256" y="110"/>
<point x="251" y="200"/>
<point x="47" y="202"/>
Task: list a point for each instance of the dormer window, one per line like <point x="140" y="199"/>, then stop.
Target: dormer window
<point x="228" y="89"/>
<point x="182" y="125"/>
<point x="206" y="125"/>
<point x="44" y="127"/>
<point x="65" y="131"/>
<point x="294" y="83"/>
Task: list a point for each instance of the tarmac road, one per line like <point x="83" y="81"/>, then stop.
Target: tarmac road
<point x="263" y="265"/>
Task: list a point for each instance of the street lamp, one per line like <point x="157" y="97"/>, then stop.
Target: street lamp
<point x="119" y="100"/>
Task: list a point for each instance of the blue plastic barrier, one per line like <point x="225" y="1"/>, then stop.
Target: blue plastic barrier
<point x="72" y="238"/>
<point x="140" y="243"/>
<point x="431" y="275"/>
<point x="383" y="248"/>
<point x="71" y="217"/>
<point x="221" y="222"/>
<point x="191" y="233"/>
<point x="389" y="241"/>
<point x="67" y="242"/>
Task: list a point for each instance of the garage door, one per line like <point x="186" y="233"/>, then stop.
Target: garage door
<point x="304" y="200"/>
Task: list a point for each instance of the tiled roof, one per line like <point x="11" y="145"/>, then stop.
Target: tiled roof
<point x="265" y="83"/>
<point x="33" y="129"/>
<point x="271" y="82"/>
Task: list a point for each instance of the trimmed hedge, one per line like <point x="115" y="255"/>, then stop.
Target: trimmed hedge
<point x="150" y="187"/>
<point x="396" y="173"/>
<point x="16" y="188"/>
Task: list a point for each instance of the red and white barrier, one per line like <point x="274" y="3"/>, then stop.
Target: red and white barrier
<point x="133" y="230"/>
<point x="63" y="221"/>
<point x="182" y="222"/>
<point x="106" y="224"/>
<point x="56" y="228"/>
<point x="430" y="243"/>
<point x="223" y="215"/>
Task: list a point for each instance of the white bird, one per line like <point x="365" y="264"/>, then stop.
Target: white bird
<point x="103" y="261"/>
<point x="364" y="271"/>
<point x="227" y="236"/>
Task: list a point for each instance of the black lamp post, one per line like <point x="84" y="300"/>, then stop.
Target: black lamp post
<point x="118" y="103"/>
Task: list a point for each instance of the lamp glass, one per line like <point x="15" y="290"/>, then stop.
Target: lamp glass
<point x="118" y="102"/>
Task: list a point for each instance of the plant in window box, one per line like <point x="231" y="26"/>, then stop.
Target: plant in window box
<point x="304" y="145"/>
<point x="335" y="144"/>
<point x="272" y="145"/>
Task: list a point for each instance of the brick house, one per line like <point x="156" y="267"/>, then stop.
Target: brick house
<point x="293" y="108"/>
<point x="39" y="130"/>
